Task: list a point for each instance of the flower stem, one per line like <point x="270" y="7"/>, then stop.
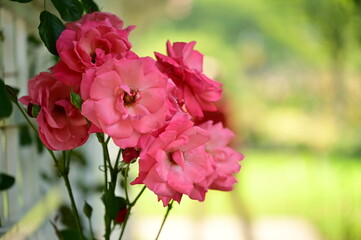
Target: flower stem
<point x="138" y="196"/>
<point x="73" y="205"/>
<point x="129" y="209"/>
<point x="34" y="128"/>
<point x="126" y="183"/>
<point x="165" y="218"/>
<point x="64" y="173"/>
<point x="91" y="229"/>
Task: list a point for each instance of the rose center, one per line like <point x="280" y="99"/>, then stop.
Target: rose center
<point x="93" y="56"/>
<point x="59" y="110"/>
<point x="170" y="157"/>
<point x="130" y="99"/>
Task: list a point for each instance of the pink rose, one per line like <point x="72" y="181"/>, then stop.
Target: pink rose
<point x="104" y="18"/>
<point x="88" y="43"/>
<point x="125" y="98"/>
<point x="226" y="159"/>
<point x="184" y="66"/>
<point x="61" y="125"/>
<point x="174" y="162"/>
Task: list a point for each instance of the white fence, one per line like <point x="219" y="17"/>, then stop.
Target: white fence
<point x="26" y="206"/>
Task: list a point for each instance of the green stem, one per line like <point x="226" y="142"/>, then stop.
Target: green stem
<point x="91" y="229"/>
<point x="138" y="196"/>
<point x="65" y="176"/>
<point x="116" y="167"/>
<point x="73" y="205"/>
<point x="165" y="218"/>
<point x="35" y="130"/>
<point x="106" y="161"/>
<point x="128" y="212"/>
<point x="126" y="184"/>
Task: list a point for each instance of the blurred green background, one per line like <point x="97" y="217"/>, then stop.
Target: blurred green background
<point x="291" y="75"/>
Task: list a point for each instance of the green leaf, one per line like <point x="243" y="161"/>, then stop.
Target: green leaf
<point x="35" y="109"/>
<point x="21" y="1"/>
<point x="70" y="10"/>
<point x="76" y="100"/>
<point x="67" y="217"/>
<point x="12" y="93"/>
<point x="110" y="203"/>
<point x="6" y="181"/>
<point x="68" y="234"/>
<point x="121" y="203"/>
<point x="50" y="29"/>
<point x="90" y="6"/>
<point x="6" y="106"/>
<point x="24" y="136"/>
<point x="87" y="209"/>
<point x="113" y="204"/>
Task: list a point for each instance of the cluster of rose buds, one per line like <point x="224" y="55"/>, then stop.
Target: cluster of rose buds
<point x="151" y="107"/>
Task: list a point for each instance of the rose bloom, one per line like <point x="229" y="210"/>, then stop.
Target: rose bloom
<point x="61" y="125"/>
<point x="125" y="99"/>
<point x="185" y="66"/>
<point x="225" y="159"/>
<point x="174" y="162"/>
<point x="88" y="43"/>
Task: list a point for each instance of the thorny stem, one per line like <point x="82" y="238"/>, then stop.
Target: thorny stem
<point x="164" y="219"/>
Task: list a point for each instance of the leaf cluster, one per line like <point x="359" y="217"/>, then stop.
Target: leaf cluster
<point x="51" y="26"/>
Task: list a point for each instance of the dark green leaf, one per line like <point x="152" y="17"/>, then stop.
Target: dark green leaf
<point x="90" y="6"/>
<point x="88" y="210"/>
<point x="12" y="93"/>
<point x="121" y="203"/>
<point x="76" y="100"/>
<point x="111" y="203"/>
<point x="50" y="29"/>
<point x="21" y="1"/>
<point x="70" y="10"/>
<point x="68" y="234"/>
<point x="6" y="106"/>
<point x="67" y="217"/>
<point x="6" y="181"/>
<point x="25" y="137"/>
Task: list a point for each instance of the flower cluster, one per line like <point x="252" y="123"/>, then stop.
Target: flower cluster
<point x="151" y="107"/>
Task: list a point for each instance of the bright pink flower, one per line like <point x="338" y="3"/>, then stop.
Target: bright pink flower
<point x="226" y="159"/>
<point x="61" y="125"/>
<point x="174" y="162"/>
<point x="89" y="42"/>
<point x="104" y="18"/>
<point x="125" y="98"/>
<point x="184" y="66"/>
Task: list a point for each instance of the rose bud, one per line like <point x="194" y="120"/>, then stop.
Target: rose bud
<point x="129" y="154"/>
<point x="122" y="213"/>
